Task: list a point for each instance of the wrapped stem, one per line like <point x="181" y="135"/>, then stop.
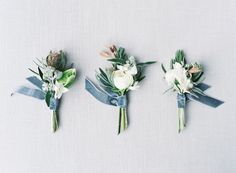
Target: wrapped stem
<point x="181" y="117"/>
<point x="123" y="120"/>
<point x="54" y="121"/>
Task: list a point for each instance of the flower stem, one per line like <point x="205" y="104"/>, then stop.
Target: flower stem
<point x="181" y="116"/>
<point x="123" y="121"/>
<point x="54" y="121"/>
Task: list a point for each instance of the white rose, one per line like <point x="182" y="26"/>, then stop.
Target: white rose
<point x="180" y="74"/>
<point x="122" y="80"/>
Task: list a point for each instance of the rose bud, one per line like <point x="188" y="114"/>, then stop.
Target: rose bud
<point x="195" y="69"/>
<point x="105" y="54"/>
<point x="113" y="48"/>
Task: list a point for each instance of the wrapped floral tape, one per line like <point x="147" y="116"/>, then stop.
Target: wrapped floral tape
<point x="115" y="82"/>
<point x="52" y="81"/>
<point x="187" y="79"/>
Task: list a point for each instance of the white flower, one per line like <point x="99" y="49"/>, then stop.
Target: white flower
<point x="48" y="72"/>
<point x="47" y="86"/>
<point x="135" y="86"/>
<point x="57" y="74"/>
<point x="129" y="67"/>
<point x="180" y="74"/>
<point x="59" y="90"/>
<point x="123" y="68"/>
<point x="132" y="70"/>
<point x="132" y="60"/>
<point x="122" y="80"/>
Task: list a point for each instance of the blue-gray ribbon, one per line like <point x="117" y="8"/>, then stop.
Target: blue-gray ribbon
<point x="105" y="96"/>
<point x="183" y="97"/>
<point x="37" y="93"/>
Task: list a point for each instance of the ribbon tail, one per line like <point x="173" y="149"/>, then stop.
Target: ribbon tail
<point x="203" y="86"/>
<point x="97" y="92"/>
<point x="38" y="94"/>
<point x="35" y="81"/>
<point x="207" y="100"/>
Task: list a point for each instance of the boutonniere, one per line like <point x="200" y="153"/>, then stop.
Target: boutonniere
<point x="186" y="79"/>
<point x="52" y="79"/>
<point x="115" y="82"/>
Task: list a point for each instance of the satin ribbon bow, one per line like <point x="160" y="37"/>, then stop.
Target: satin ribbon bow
<point x="183" y="97"/>
<point x="37" y="93"/>
<point x="104" y="95"/>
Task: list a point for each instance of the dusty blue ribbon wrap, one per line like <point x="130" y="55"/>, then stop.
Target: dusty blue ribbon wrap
<point x="37" y="93"/>
<point x="182" y="98"/>
<point x="104" y="95"/>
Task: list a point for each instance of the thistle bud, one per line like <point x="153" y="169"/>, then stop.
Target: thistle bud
<point x="56" y="60"/>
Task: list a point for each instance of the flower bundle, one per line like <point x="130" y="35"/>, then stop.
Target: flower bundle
<point x="124" y="75"/>
<point x="186" y="79"/>
<point x="52" y="81"/>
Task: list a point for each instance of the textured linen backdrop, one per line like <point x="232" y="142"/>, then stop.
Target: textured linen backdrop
<point x="86" y="141"/>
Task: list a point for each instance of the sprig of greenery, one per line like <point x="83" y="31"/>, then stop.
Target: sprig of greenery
<point x="196" y="77"/>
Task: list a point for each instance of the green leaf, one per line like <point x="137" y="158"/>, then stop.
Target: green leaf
<point x="40" y="73"/>
<point x="48" y="97"/>
<point x="33" y="71"/>
<point x="68" y="77"/>
<point x="103" y="74"/>
<point x="121" y="52"/>
<point x="163" y="68"/>
<point x="196" y="76"/>
<point x="103" y="81"/>
<point x="180" y="57"/>
<point x="117" y="61"/>
<point x="140" y="78"/>
<point x="62" y="63"/>
<point x="146" y="63"/>
<point x="176" y="82"/>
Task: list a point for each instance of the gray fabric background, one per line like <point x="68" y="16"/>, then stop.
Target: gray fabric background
<point x="87" y="140"/>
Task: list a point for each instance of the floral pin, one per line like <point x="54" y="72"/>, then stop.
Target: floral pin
<point x="54" y="80"/>
<point x="186" y="79"/>
<point x="124" y="75"/>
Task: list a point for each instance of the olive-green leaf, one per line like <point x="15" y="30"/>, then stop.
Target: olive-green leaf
<point x="48" y="97"/>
